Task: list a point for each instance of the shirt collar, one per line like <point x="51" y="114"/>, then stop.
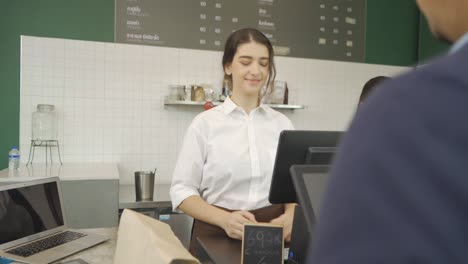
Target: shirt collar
<point x="460" y="43"/>
<point x="229" y="106"/>
<point x="263" y="107"/>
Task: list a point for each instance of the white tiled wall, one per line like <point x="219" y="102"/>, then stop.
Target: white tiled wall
<point x="109" y="97"/>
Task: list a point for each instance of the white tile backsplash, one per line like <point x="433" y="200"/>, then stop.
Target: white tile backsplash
<point x="109" y="97"/>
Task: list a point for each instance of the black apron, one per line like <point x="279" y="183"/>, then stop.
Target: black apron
<point x="200" y="228"/>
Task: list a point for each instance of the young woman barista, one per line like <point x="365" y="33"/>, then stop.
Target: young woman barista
<point x="223" y="173"/>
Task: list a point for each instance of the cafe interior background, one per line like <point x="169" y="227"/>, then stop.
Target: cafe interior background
<point x="110" y="97"/>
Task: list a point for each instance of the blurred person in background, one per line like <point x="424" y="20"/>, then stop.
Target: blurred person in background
<point x="370" y="86"/>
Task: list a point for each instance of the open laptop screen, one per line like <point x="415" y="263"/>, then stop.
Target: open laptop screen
<point x="25" y="211"/>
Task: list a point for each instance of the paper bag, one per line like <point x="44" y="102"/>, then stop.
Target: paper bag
<point x="144" y="240"/>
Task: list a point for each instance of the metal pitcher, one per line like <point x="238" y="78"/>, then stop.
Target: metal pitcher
<point x="144" y="185"/>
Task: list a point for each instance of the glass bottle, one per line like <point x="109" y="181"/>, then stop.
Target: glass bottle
<point x="224" y="92"/>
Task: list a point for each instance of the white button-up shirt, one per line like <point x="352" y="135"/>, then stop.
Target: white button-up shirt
<point x="227" y="157"/>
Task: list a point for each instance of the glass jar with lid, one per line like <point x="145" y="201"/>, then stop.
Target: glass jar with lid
<point x="176" y="92"/>
<point x="44" y="125"/>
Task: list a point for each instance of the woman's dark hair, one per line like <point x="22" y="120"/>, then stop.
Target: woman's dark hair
<point x="370" y="85"/>
<point x="243" y="36"/>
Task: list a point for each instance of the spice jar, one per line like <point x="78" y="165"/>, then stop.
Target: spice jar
<point x="198" y="93"/>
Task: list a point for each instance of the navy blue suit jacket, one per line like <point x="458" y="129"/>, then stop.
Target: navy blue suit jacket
<point x="398" y="189"/>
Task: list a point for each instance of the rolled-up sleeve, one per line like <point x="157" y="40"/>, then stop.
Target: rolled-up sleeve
<point x="189" y="167"/>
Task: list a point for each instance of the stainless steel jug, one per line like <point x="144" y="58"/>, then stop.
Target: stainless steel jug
<point x="144" y="185"/>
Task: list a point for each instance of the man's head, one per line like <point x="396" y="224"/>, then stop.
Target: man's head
<point x="448" y="19"/>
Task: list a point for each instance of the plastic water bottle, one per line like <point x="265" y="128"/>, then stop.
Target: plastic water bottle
<point x="13" y="159"/>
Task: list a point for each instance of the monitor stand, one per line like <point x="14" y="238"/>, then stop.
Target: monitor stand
<point x="300" y="237"/>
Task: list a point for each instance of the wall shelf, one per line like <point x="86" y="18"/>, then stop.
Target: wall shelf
<point x="278" y="106"/>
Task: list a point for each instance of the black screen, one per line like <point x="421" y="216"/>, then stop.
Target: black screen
<point x="319" y="155"/>
<point x="29" y="210"/>
<point x="299" y="147"/>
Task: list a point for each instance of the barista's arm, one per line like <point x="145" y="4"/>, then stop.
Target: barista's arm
<point x="286" y="219"/>
<point x="232" y="223"/>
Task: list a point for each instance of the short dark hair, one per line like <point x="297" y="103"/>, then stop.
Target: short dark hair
<point x="370" y="85"/>
<point x="243" y="36"/>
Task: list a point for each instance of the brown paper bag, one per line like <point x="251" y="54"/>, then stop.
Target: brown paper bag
<point x="144" y="240"/>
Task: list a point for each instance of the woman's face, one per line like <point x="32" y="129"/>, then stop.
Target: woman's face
<point x="249" y="68"/>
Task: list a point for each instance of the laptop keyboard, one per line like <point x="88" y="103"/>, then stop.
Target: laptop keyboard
<point x="46" y="243"/>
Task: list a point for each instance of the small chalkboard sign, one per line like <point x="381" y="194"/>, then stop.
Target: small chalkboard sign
<point x="262" y="244"/>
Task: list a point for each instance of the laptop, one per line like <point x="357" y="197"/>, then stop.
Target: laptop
<point x="33" y="225"/>
<point x="309" y="183"/>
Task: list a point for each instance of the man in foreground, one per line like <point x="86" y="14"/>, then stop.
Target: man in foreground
<point x="398" y="189"/>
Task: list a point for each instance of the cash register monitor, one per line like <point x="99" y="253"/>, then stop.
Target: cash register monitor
<point x="310" y="183"/>
<point x="298" y="147"/>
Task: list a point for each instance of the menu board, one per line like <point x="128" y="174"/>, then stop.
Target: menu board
<point x="322" y="29"/>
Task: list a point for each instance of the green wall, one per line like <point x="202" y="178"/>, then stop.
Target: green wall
<point x="71" y="19"/>
<point x="393" y="27"/>
<point x="392" y="32"/>
<point x="428" y="45"/>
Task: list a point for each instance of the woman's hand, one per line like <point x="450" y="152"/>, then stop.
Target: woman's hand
<point x="234" y="223"/>
<point x="286" y="220"/>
